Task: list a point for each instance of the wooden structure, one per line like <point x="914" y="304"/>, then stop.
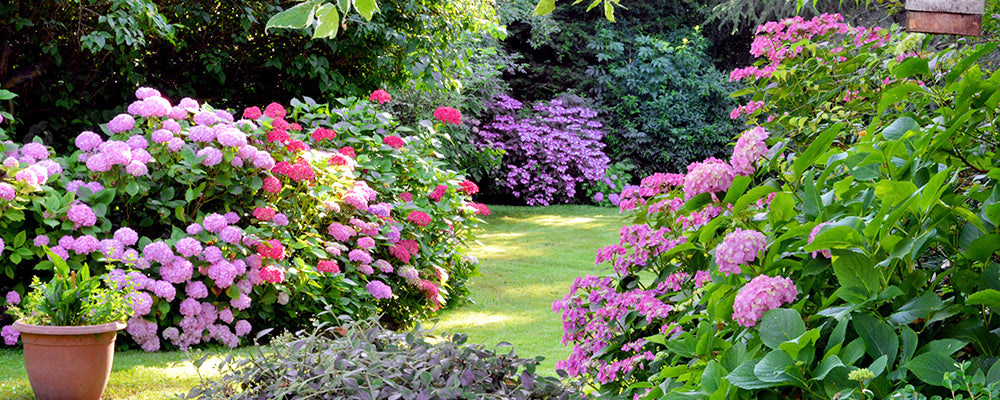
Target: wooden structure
<point x="952" y="17"/>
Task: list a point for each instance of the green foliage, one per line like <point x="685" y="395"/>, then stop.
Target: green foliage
<point x="72" y="298"/>
<point x="72" y="62"/>
<point x="876" y="199"/>
<point x="361" y="360"/>
<point x="668" y="102"/>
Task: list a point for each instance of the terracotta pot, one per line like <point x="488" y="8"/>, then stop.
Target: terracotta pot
<point x="68" y="362"/>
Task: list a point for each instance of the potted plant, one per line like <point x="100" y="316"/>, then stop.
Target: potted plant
<point x="68" y="326"/>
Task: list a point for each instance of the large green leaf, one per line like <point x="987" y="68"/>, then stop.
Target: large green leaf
<point x="880" y="339"/>
<point x="818" y="147"/>
<point x="328" y="22"/>
<point x="297" y="17"/>
<point x="931" y="367"/>
<point x="780" y="325"/>
<point x="545" y="7"/>
<point x="854" y="270"/>
<point x="772" y="367"/>
<point x="743" y="377"/>
<point x="988" y="297"/>
<point x="899" y="127"/>
<point x="366" y="8"/>
<point x="920" y="307"/>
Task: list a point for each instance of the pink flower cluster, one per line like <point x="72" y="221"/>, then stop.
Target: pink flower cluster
<point x="739" y="247"/>
<point x="448" y="115"/>
<point x="748" y="109"/>
<point x="750" y="147"/>
<point x="393" y="141"/>
<point x="710" y="176"/>
<point x="380" y="96"/>
<point x="761" y="294"/>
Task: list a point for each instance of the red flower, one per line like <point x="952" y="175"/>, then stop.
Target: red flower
<point x="481" y="209"/>
<point x="381" y="96"/>
<point x="337" y="159"/>
<point x="438" y="192"/>
<point x="275" y="111"/>
<point x="296" y="145"/>
<point x="272" y="184"/>
<point x="430" y="292"/>
<point x="323" y="133"/>
<point x="401" y="252"/>
<point x="328" y="266"/>
<point x="281" y="167"/>
<point x="271" y="249"/>
<point x="301" y="172"/>
<point x="348" y="151"/>
<point x="419" y="217"/>
<point x="252" y="113"/>
<point x="264" y="213"/>
<point x="448" y="115"/>
<point x="406" y="196"/>
<point x="294" y="127"/>
<point x="272" y="274"/>
<point x="469" y="187"/>
<point x="278" y="135"/>
<point x="393" y="141"/>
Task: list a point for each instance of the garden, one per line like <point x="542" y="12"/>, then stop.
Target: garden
<point x="443" y="200"/>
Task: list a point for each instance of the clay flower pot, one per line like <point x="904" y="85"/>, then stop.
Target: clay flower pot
<point x="68" y="362"/>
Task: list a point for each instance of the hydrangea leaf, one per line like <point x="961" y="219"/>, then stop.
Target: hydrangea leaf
<point x="297" y="17"/>
<point x="366" y="8"/>
<point x="780" y="325"/>
<point x="328" y="22"/>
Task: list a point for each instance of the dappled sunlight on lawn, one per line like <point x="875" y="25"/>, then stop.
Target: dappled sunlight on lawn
<point x="459" y="320"/>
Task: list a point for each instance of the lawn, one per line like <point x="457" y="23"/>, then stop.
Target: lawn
<point x="529" y="256"/>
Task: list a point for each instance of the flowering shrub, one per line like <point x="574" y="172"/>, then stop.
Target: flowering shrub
<point x="234" y="223"/>
<point x="550" y="149"/>
<point x="847" y="249"/>
<point x="605" y="192"/>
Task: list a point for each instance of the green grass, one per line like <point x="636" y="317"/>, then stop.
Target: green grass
<point x="529" y="257"/>
<point x="135" y="375"/>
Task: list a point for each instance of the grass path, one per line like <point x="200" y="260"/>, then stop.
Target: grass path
<point x="529" y="257"/>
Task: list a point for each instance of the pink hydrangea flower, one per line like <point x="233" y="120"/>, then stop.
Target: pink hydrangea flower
<point x="121" y="123"/>
<point x="761" y="294"/>
<point x="10" y="335"/>
<point x="380" y="96"/>
<point x="272" y="274"/>
<point x="13" y="298"/>
<point x="448" y="115"/>
<point x="7" y="191"/>
<point x="379" y="290"/>
<point x="712" y="175"/>
<point x="328" y="266"/>
<point x="81" y="215"/>
<point x="812" y="236"/>
<point x="252" y="113"/>
<point x="419" y="217"/>
<point x="393" y="141"/>
<point x="739" y="247"/>
<point x="749" y="148"/>
<point x="274" y="111"/>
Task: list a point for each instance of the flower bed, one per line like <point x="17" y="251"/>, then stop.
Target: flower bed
<point x="231" y="223"/>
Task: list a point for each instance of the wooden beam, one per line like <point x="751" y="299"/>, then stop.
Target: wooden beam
<point x="946" y="23"/>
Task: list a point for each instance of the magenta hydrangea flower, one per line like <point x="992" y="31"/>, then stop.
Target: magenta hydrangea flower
<point x="448" y="115"/>
<point x="179" y="271"/>
<point x="7" y="191"/>
<point x="88" y="141"/>
<point x="360" y="255"/>
<point x="193" y="229"/>
<point x="41" y="240"/>
<point x="341" y="232"/>
<point x="419" y="217"/>
<point x="127" y="236"/>
<point x="86" y="244"/>
<point x="10" y="335"/>
<point x="188" y="247"/>
<point x="205" y="118"/>
<point x="749" y="148"/>
<point x="739" y="247"/>
<point x="712" y="175"/>
<point x="761" y="294"/>
<point x="175" y="144"/>
<point x="155" y="106"/>
<point x="13" y="298"/>
<point x="280" y="219"/>
<point x="231" y="235"/>
<point x="36" y="151"/>
<point x="213" y="156"/>
<point x="142" y="303"/>
<point x="81" y="215"/>
<point x="366" y="242"/>
<point x="190" y="307"/>
<point x="163" y="289"/>
<point x="222" y="273"/>
<point x="231" y="137"/>
<point x="162" y="136"/>
<point x="242" y="327"/>
<point x="272" y="274"/>
<point x="34" y="175"/>
<point x="136" y="168"/>
<point x="196" y="290"/>
<point x="379" y="290"/>
<point x="380" y="96"/>
<point x="144" y="92"/>
<point x="158" y="251"/>
<point x="121" y="123"/>
<point x="214" y="222"/>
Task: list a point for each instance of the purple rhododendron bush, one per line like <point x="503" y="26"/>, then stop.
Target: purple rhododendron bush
<point x="227" y="224"/>
<point x="848" y="248"/>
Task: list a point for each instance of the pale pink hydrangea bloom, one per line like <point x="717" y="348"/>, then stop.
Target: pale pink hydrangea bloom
<point x="712" y="175"/>
<point x="739" y="247"/>
<point x="761" y="294"/>
<point x="749" y="148"/>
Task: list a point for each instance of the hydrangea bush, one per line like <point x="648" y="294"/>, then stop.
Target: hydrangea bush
<point x="847" y="249"/>
<point x="229" y="223"/>
<point x="550" y="149"/>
